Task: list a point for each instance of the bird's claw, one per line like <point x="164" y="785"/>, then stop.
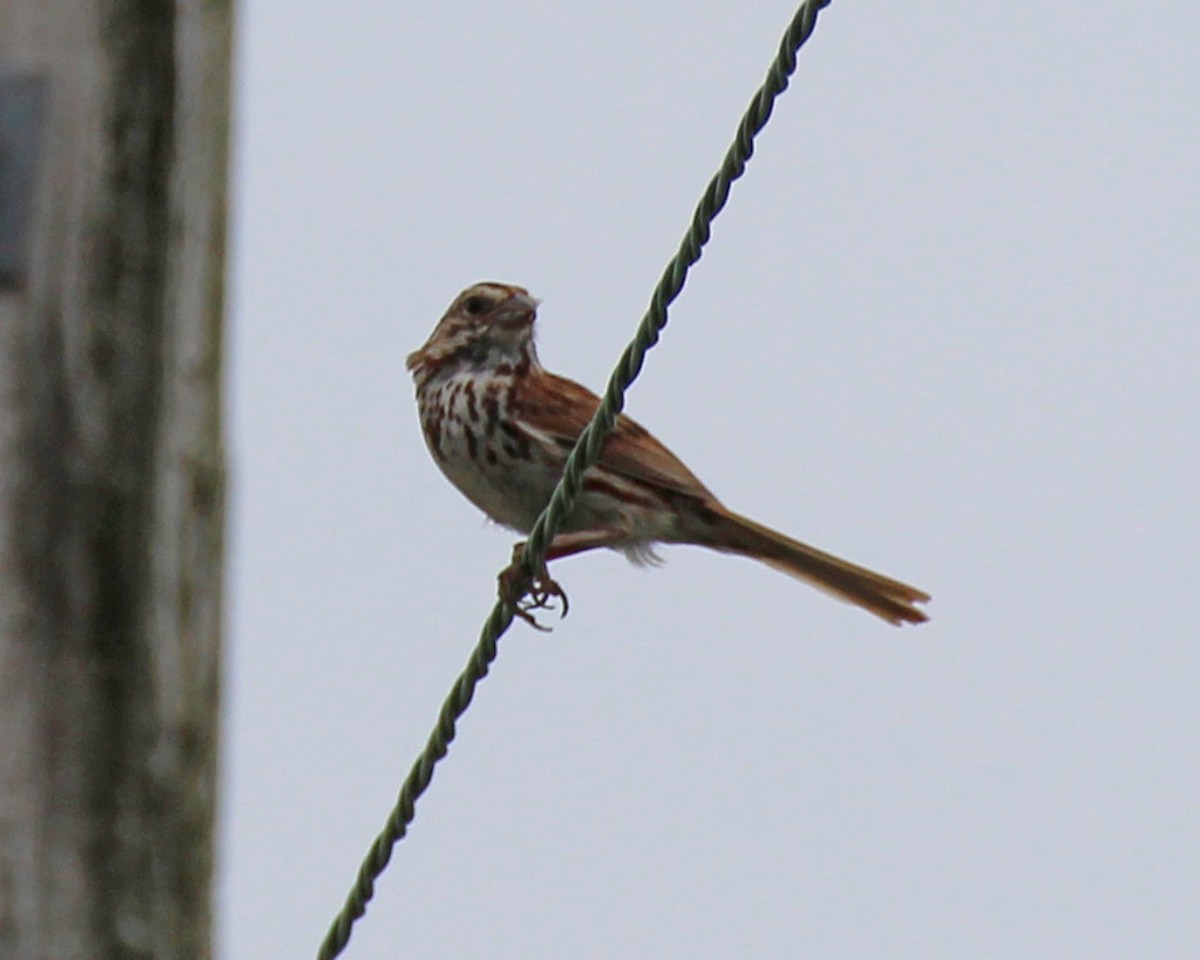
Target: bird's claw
<point x="524" y="592"/>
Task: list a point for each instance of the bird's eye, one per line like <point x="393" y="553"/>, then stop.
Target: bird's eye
<point x="475" y="305"/>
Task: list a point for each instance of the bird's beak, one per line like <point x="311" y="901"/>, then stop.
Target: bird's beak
<point x="519" y="310"/>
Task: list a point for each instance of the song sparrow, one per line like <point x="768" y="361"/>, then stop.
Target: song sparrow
<point x="500" y="427"/>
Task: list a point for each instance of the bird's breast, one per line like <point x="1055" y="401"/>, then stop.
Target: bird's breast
<point x="480" y="446"/>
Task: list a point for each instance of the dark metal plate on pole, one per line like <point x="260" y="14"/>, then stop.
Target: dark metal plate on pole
<point x="23" y="103"/>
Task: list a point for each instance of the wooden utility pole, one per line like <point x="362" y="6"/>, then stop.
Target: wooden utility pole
<point x="113" y="140"/>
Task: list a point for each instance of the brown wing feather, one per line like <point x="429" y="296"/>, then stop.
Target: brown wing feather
<point x="562" y="408"/>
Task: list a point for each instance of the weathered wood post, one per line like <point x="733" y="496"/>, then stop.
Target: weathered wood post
<point x="113" y="140"/>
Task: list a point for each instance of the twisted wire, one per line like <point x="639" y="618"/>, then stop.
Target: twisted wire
<point x="586" y="452"/>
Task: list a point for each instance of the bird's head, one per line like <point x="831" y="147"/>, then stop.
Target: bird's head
<point x="487" y="324"/>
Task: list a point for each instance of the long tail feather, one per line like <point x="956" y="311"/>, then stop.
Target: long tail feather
<point x="887" y="598"/>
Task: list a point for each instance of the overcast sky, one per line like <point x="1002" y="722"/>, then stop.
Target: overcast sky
<point x="947" y="327"/>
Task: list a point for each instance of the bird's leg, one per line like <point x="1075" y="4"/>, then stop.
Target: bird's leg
<point x="569" y="544"/>
<point x="525" y="592"/>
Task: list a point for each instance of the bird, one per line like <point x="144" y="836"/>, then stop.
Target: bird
<point x="500" y="427"/>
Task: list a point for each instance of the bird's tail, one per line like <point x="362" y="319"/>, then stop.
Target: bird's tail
<point x="886" y="598"/>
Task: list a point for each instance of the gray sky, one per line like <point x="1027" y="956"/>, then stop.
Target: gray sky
<point x="947" y="328"/>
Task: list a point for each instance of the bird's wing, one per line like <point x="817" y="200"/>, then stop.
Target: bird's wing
<point x="561" y="408"/>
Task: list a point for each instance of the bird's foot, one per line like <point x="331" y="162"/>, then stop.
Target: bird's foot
<point x="525" y="592"/>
